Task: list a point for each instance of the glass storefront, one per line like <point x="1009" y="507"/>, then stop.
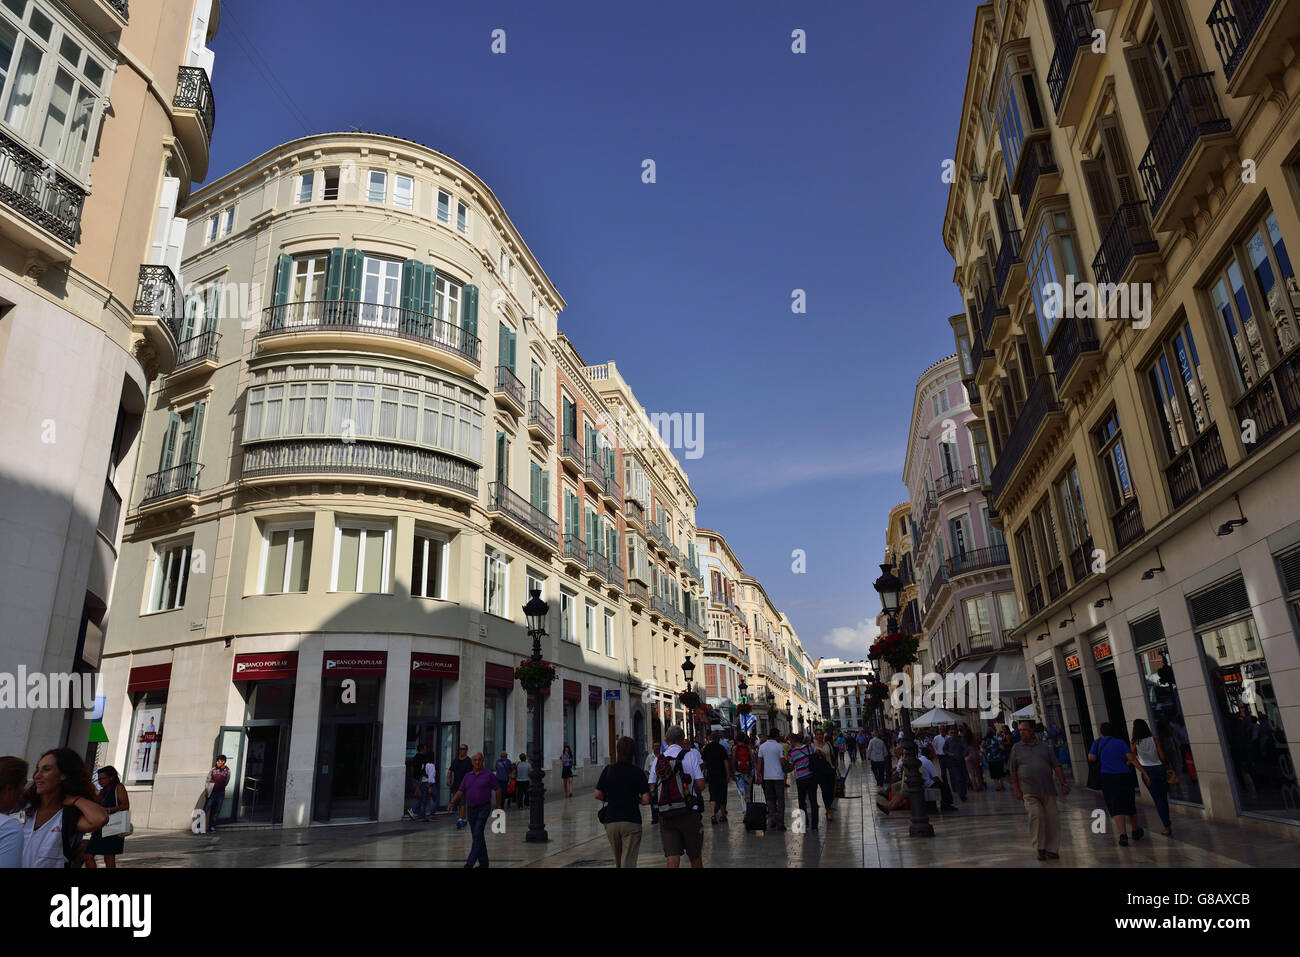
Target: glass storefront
<point x="494" y="722"/>
<point x="1165" y="711"/>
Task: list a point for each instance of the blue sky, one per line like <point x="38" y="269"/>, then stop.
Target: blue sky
<point x="776" y="171"/>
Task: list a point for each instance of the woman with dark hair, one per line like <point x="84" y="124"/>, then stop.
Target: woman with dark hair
<point x="623" y="787"/>
<point x="1117" y="784"/>
<point x="974" y="764"/>
<point x="60" y="796"/>
<point x="113" y="796"/>
<point x="1156" y="770"/>
<point x="566" y="770"/>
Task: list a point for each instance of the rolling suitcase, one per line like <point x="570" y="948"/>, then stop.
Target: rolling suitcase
<point x="839" y="786"/>
<point x="756" y="810"/>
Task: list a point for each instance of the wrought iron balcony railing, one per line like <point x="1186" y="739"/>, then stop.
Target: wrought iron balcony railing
<point x="1128" y="524"/>
<point x="344" y="315"/>
<point x="157" y="293"/>
<point x="634" y="511"/>
<point x="177" y="480"/>
<point x="1127" y="236"/>
<point x="1234" y="24"/>
<point x="638" y="592"/>
<point x="540" y="417"/>
<point x="615" y="576"/>
<point x="334" y="456"/>
<point x="1075" y="30"/>
<point x="597" y="563"/>
<point x="194" y="92"/>
<point x="992" y="310"/>
<point x="121" y="7"/>
<point x="575" y="549"/>
<point x="596" y="474"/>
<point x="1074" y="337"/>
<point x="977" y="352"/>
<point x="508" y="384"/>
<point x="978" y="558"/>
<point x="32" y="188"/>
<point x="1008" y="256"/>
<point x="1079" y="560"/>
<point x="522" y="512"/>
<point x="197" y="349"/>
<point x="1193" y="111"/>
<point x="1036" y="408"/>
<point x="572" y="449"/>
<point x="1036" y="162"/>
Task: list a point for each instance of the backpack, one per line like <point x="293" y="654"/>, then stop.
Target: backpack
<point x="742" y="759"/>
<point x="74" y="842"/>
<point x="674" y="788"/>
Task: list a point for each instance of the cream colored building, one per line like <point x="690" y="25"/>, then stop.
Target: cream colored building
<point x="89" y="256"/>
<point x="726" y="655"/>
<point x="1144" y="463"/>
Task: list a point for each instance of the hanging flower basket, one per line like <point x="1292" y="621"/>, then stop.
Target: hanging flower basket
<point x="744" y="708"/>
<point x="877" y="690"/>
<point x="897" y="649"/>
<point x="534" y="675"/>
<point x="689" y="699"/>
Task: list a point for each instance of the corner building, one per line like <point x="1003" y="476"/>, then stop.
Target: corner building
<point x="341" y="505"/>
<point x="1144" y="464"/>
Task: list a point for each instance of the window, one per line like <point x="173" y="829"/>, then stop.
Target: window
<point x="1179" y="391"/>
<point x="609" y="633"/>
<point x="213" y="223"/>
<point x="228" y="222"/>
<point x="501" y="253"/>
<point x="1008" y="611"/>
<point x="330" y="192"/>
<point x="593" y="712"/>
<point x="381" y="283"/>
<point x="1051" y="257"/>
<point x="54" y="101"/>
<point x="535" y="581"/>
<point x="145" y="742"/>
<point x="307" y="286"/>
<point x="444" y="206"/>
<point x="494" y="721"/>
<point x="496" y="581"/>
<point x="377" y="186"/>
<point x="1049" y="548"/>
<point x="462" y="217"/>
<point x="306" y="184"/>
<point x="182" y="438"/>
<point x="590" y="622"/>
<point x="1029" y="569"/>
<point x="285" y="560"/>
<point x="446" y="299"/>
<point x="403" y="192"/>
<point x="568" y="626"/>
<point x="1114" y="462"/>
<point x="361" y="558"/>
<point x="1074" y="520"/>
<point x="429" y="565"/>
<point x="171" y="572"/>
<point x="1018" y="97"/>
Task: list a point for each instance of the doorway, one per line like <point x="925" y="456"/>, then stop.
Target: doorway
<point x="638" y="735"/>
<point x="1114" y="703"/>
<point x="1085" y="720"/>
<point x="347" y="769"/>
<point x="613" y="741"/>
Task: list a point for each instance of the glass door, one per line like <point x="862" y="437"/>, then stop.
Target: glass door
<point x="448" y="738"/>
<point x="230" y="742"/>
<point x="381" y="283"/>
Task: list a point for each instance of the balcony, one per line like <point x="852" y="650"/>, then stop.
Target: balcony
<point x="541" y="423"/>
<point x="195" y="116"/>
<point x="674" y="553"/>
<point x="1008" y="256"/>
<point x="615" y="577"/>
<point x="157" y="310"/>
<point x="1271" y="403"/>
<point x="1070" y="76"/>
<point x="978" y="559"/>
<point x="342" y="323"/>
<point x="575" y="551"/>
<point x="1187" y="147"/>
<point x="103" y="16"/>
<point x="1034" y="598"/>
<point x="948" y="482"/>
<point x="637" y="594"/>
<point x="991" y="322"/>
<point x="572" y="454"/>
<point x="507" y="387"/>
<point x="655" y="535"/>
<point x="1041" y="412"/>
<point x="1036" y="174"/>
<point x="524" y="516"/>
<point x="695" y="628"/>
<point x="614" y="491"/>
<point x="1127" y="523"/>
<point x="1251" y="40"/>
<point x="196" y="355"/>
<point x="659" y="606"/>
<point x="634" y="512"/>
<point x="180" y="480"/>
<point x="34" y="194"/>
<point x="691" y="568"/>
<point x="977" y="352"/>
<point x="300" y="459"/>
<point x="1076" y="352"/>
<point x="594" y="476"/>
<point x="1056" y="585"/>
<point x="597" y="565"/>
<point x="1079" y="567"/>
<point x="1128" y="250"/>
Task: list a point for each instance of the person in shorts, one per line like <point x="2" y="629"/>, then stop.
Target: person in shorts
<point x="682" y="832"/>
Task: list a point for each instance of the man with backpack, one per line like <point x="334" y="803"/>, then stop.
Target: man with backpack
<point x="677" y="781"/>
<point x="742" y="759"/>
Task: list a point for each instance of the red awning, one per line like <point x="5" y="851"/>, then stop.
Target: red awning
<point x="149" y="678"/>
<point x="498" y="676"/>
<point x="572" y="690"/>
<point x="265" y="667"/>
<point x="354" y="664"/>
<point x="594" y="694"/>
<point x="444" y="667"/>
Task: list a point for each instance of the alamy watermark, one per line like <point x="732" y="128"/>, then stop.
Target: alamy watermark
<point x="677" y="430"/>
<point x="59" y="690"/>
<point x="1107" y="300"/>
<point x="961" y="692"/>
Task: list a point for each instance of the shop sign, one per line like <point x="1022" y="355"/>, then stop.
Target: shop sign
<point x="354" y="664"/>
<point x="613" y="694"/>
<point x="1072" y="662"/>
<point x="441" y="667"/>
<point x="593" y="694"/>
<point x="1101" y="651"/>
<point x="265" y="667"/>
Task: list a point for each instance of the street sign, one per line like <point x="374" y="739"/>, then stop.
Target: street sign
<point x="613" y="694"/>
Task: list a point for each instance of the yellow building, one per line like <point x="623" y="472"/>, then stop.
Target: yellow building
<point x="1124" y="200"/>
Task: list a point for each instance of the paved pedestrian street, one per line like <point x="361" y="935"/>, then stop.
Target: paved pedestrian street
<point x="988" y="831"/>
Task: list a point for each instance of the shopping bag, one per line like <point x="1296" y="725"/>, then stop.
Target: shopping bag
<point x="119" y="823"/>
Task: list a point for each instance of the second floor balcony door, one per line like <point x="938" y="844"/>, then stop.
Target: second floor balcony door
<point x="308" y="289"/>
<point x="381" y="284"/>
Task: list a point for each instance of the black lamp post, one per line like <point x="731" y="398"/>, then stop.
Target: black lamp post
<point x="890" y="590"/>
<point x="743" y="688"/>
<point x="535" y="613"/>
<point x="688" y="672"/>
<point x="789" y="715"/>
<point x="771" y="712"/>
<point x="802" y="729"/>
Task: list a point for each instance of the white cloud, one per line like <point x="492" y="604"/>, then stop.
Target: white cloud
<point x="746" y="469"/>
<point x="856" y="638"/>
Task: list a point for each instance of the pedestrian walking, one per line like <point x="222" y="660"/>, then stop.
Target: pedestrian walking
<point x="1118" y="780"/>
<point x="1031" y="764"/>
<point x="215" y="786"/>
<point x="426" y="788"/>
<point x="851" y="745"/>
<point x="678" y="780"/>
<point x="460" y="767"/>
<point x="503" y="770"/>
<point x="113" y="797"/>
<point x="772" y="769"/>
<point x="1156" y="770"/>
<point x="474" y="792"/>
<point x="878" y="755"/>
<point x="955" y="751"/>
<point x="60" y="807"/>
<point x="974" y="761"/>
<point x="623" y="787"/>
<point x="823" y="763"/>
<point x="522" y="780"/>
<point x="841" y="750"/>
<point x="13" y="780"/>
<point x="650" y="763"/>
<point x="566" y="770"/>
<point x="805" y="783"/>
<point x="717" y="770"/>
<point x="742" y="763"/>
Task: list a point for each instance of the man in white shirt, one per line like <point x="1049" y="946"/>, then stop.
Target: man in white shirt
<point x="682" y="830"/>
<point x="933" y="779"/>
<point x="878" y="755"/>
<point x="941" y="756"/>
<point x="650" y="763"/>
<point x="771" y="771"/>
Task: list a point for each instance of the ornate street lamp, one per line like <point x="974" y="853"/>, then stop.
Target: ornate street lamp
<point x="890" y="588"/>
<point x="743" y="700"/>
<point x="771" y="711"/>
<point x="535" y="613"/>
<point x="688" y="672"/>
<point x="802" y="729"/>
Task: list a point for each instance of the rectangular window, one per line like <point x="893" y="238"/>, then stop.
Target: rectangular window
<point x="171" y="573"/>
<point x="306" y="185"/>
<point x="568" y="626"/>
<point x="444" y="206"/>
<point x="229" y="222"/>
<point x="1179" y="391"/>
<point x="429" y="566"/>
<point x="403" y="192"/>
<point x="361" y="558"/>
<point x="145" y="742"/>
<point x="377" y="186"/>
<point x="609" y="633"/>
<point x="214" y="223"/>
<point x="462" y="217"/>
<point x="1008" y="611"/>
<point x="330" y="192"/>
<point x="590" y="622"/>
<point x="286" y="560"/>
<point x="1114" y="462"/>
<point x="1074" y="520"/>
<point x="496" y="570"/>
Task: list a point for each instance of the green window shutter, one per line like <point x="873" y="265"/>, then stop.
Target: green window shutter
<point x="503" y="347"/>
<point x="170" y="438"/>
<point x="502" y="448"/>
<point x="514" y="342"/>
<point x="334" y="275"/>
<point x="469" y="310"/>
<point x="591" y="528"/>
<point x="570" y="419"/>
<point x="534" y="498"/>
<point x="412" y="285"/>
<point x="191" y="451"/>
<point x="426" y="293"/>
<point x="283" y="277"/>
<point x="353" y="262"/>
<point x="546" y="491"/>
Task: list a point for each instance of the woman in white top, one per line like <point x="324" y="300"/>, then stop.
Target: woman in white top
<point x="60" y="780"/>
<point x="1152" y="758"/>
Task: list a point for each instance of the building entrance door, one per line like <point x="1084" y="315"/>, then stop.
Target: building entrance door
<point x="1114" y="703"/>
<point x="347" y="767"/>
<point x="1085" y="721"/>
